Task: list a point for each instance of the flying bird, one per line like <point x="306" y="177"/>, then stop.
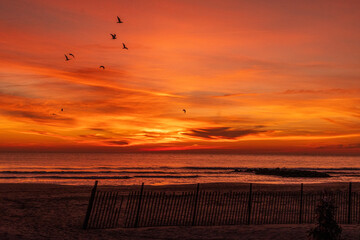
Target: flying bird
<point x="70" y="54"/>
<point x="184" y="110"/>
<point x="124" y="47"/>
<point x="102" y="67"/>
<point x="113" y="35"/>
<point x="119" y="21"/>
<point x="66" y="58"/>
<point x="62" y="109"/>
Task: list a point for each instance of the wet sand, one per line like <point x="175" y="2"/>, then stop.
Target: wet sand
<point x="48" y="211"/>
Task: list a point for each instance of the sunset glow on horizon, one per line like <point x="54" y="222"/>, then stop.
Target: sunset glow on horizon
<point x="254" y="76"/>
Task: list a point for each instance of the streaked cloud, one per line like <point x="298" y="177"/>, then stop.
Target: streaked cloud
<point x="221" y="133"/>
<point x="266" y="76"/>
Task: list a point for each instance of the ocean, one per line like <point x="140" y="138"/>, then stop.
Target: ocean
<point x="161" y="169"/>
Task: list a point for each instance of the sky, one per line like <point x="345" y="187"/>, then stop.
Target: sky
<point x="254" y="76"/>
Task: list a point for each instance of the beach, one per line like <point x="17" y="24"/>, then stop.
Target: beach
<point x="49" y="211"/>
<point x="220" y="119"/>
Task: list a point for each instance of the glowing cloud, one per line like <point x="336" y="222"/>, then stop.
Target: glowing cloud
<point x="254" y="76"/>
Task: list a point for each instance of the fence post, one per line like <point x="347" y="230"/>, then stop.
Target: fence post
<point x="90" y="205"/>
<point x="301" y="203"/>
<point x="249" y="204"/>
<point x="139" y="205"/>
<point x="349" y="205"/>
<point x="195" y="204"/>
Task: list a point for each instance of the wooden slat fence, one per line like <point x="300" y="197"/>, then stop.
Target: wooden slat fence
<point x="109" y="209"/>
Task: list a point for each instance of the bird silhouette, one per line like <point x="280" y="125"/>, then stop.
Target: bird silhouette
<point x="70" y="54"/>
<point x="62" y="109"/>
<point x="119" y="21"/>
<point x="184" y="110"/>
<point x="66" y="58"/>
<point x="113" y="35"/>
<point x="102" y="67"/>
<point x="124" y="47"/>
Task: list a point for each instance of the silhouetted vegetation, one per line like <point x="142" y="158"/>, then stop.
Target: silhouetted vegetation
<point x="284" y="172"/>
<point x="326" y="226"/>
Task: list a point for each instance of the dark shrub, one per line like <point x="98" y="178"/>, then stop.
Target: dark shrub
<point x="326" y="227"/>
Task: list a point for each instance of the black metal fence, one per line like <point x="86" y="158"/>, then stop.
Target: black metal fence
<point x="109" y="209"/>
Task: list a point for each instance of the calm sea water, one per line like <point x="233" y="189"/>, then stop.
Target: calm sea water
<point x="158" y="169"/>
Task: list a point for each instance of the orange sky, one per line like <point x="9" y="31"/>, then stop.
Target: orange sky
<point x="254" y="76"/>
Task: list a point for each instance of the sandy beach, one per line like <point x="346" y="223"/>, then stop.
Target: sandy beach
<point x="47" y="211"/>
<point x="179" y="119"/>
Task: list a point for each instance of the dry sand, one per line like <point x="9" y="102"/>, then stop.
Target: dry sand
<point x="46" y="211"/>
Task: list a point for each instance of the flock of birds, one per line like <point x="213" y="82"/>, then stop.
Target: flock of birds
<point x="113" y="36"/>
